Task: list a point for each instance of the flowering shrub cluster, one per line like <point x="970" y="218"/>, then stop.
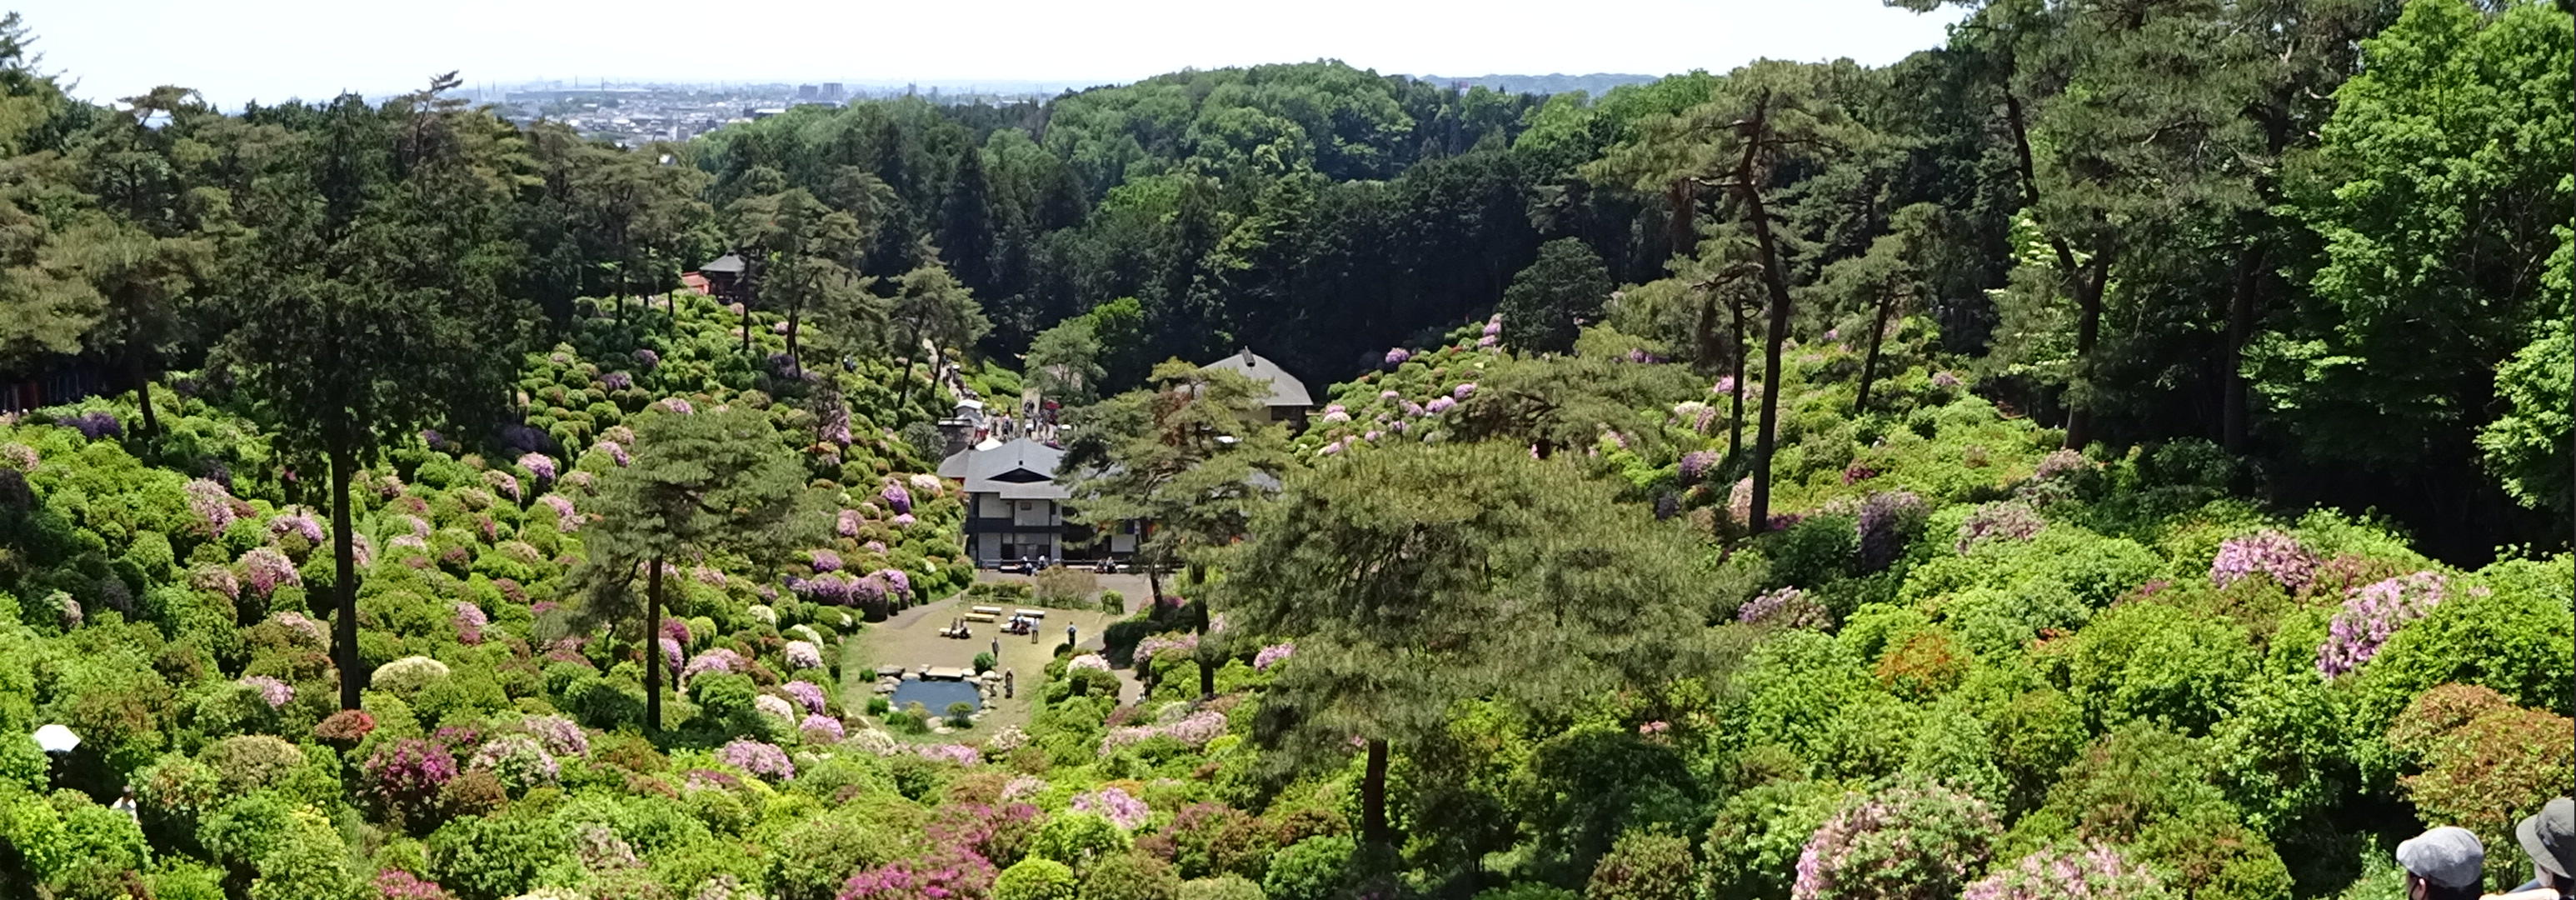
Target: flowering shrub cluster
<point x="518" y="760"/>
<point x="2094" y="872"/>
<point x="805" y="693"/>
<point x="758" y="758"/>
<point x="1273" y="655"/>
<point x="2268" y="552"/>
<point x="1786" y="607"/>
<point x="2372" y="613"/>
<point x="1170" y="646"/>
<point x="1909" y="841"/>
<point x="1194" y="730"/>
<point x="2005" y="521"/>
<point x="271" y="691"/>
<point x="1115" y="805"/>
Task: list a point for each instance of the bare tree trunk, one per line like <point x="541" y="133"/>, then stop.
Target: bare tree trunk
<point x="1735" y="417"/>
<point x="795" y="363"/>
<point x="344" y="587"/>
<point x="1373" y="827"/>
<point x="653" y="645"/>
<point x="1869" y="363"/>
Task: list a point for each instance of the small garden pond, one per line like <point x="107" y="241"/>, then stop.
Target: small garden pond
<point x="936" y="695"/>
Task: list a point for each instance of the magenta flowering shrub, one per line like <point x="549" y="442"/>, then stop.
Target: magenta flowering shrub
<point x="1786" y="607"/>
<point x="616" y="451"/>
<point x="2092" y="873"/>
<point x="1273" y="655"/>
<point x="2269" y="552"/>
<point x="538" y="464"/>
<point x="2060" y="462"/>
<point x="678" y="405"/>
<point x="847" y="524"/>
<point x="299" y="523"/>
<point x="1725" y="386"/>
<point x="561" y="736"/>
<point x="992" y="831"/>
<point x="266" y="570"/>
<point x="1698" y="463"/>
<point x="617" y="381"/>
<point x="1397" y="356"/>
<point x="897" y="498"/>
<point x="210" y="501"/>
<point x="825" y="561"/>
<point x="1858" y="472"/>
<point x="1439" y="405"/>
<point x="396" y="884"/>
<point x="273" y="692"/>
<point x="1177" y="645"/>
<point x="2006" y="521"/>
<point x="806" y="693"/>
<point x="469" y="622"/>
<point x="1494" y="326"/>
<point x="1904" y="842"/>
<point x="821" y="729"/>
<point x="407" y="774"/>
<point x="947" y="872"/>
<point x="1462" y="391"/>
<point x="1113" y="804"/>
<point x="2373" y="612"/>
<point x="217" y="579"/>
<point x="802" y="655"/>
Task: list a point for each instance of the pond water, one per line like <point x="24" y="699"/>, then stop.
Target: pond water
<point x="936" y="695"/>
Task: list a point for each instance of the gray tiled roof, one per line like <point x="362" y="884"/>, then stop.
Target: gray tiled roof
<point x="1021" y="469"/>
<point x="1285" y="389"/>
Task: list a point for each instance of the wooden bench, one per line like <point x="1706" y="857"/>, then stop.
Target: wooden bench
<point x="987" y="610"/>
<point x="1030" y="614"/>
<point x="980" y="616"/>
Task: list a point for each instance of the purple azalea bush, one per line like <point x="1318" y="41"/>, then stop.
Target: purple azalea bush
<point x="1786" y="607"/>
<point x="266" y="570"/>
<point x="2371" y="614"/>
<point x="1113" y="804"/>
<point x="802" y="655"/>
<point x="273" y="692"/>
<point x="758" y="758"/>
<point x="2094" y="872"/>
<point x="806" y="693"/>
<point x="470" y="622"/>
<point x="1910" y="841"/>
<point x="2005" y="521"/>
<point x="1273" y="655"/>
<point x="2268" y="552"/>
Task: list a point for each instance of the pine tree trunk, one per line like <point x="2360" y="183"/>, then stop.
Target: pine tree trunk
<point x="1373" y="827"/>
<point x="2240" y="329"/>
<point x="1766" y="435"/>
<point x="1869" y="363"/>
<point x="653" y="645"/>
<point x="143" y="394"/>
<point x="795" y="363"/>
<point x="344" y="586"/>
<point x="2088" y="330"/>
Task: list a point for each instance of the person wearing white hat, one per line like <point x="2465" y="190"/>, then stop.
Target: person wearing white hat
<point x="2445" y="863"/>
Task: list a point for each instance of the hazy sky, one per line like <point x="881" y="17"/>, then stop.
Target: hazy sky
<point x="270" y="50"/>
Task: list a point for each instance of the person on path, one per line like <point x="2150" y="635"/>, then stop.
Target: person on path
<point x="2443" y="864"/>
<point x="1068" y="637"/>
<point x="1006" y="684"/>
<point x="997" y="648"/>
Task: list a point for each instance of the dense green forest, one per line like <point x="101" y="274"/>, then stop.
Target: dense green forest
<point x="2124" y="452"/>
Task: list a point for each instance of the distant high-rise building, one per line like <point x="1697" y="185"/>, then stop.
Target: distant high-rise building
<point x="808" y="92"/>
<point x="833" y="91"/>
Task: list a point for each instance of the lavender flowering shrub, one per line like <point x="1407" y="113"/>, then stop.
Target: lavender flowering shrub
<point x="2267" y="552"/>
<point x="1786" y="607"/>
<point x="1914" y="841"/>
<point x="758" y="758"/>
<point x="1273" y="655"/>
<point x="1113" y="804"/>
<point x="2094" y="872"/>
<point x="2005" y="521"/>
<point x="518" y="760"/>
<point x="2371" y="614"/>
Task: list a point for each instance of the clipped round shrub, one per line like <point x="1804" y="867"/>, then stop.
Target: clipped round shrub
<point x="1311" y="869"/>
<point x="252" y="761"/>
<point x="1645" y="864"/>
<point x="408" y="675"/>
<point x="1916" y="842"/>
<point x="1036" y="879"/>
<point x="1077" y="839"/>
<point x="1130" y="876"/>
<point x="1222" y="887"/>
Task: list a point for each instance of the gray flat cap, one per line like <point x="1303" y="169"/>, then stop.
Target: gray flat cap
<point x="2450" y="857"/>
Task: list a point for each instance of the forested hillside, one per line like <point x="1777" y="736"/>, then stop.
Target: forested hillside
<point x="2123" y="453"/>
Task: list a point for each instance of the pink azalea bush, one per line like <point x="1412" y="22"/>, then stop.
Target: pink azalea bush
<point x="802" y="655"/>
<point x="1169" y="646"/>
<point x="266" y="570"/>
<point x="1087" y="661"/>
<point x="561" y="736"/>
<point x="2006" y="521"/>
<point x="1273" y="655"/>
<point x="1195" y="730"/>
<point x="1786" y="607"/>
<point x="806" y="694"/>
<point x="273" y="692"/>
<point x="821" y="729"/>
<point x="538" y="464"/>
<point x="210" y="501"/>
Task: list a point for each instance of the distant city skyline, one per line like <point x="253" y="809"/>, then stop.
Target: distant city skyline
<point x="274" y="50"/>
